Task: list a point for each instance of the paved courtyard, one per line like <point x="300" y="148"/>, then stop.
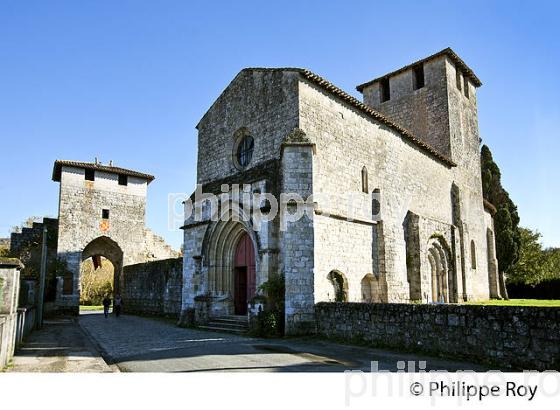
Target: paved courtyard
<point x="138" y="344"/>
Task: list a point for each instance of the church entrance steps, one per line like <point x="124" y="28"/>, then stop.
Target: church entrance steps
<point x="230" y="324"/>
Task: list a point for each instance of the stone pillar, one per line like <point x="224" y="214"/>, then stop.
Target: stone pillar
<point x="9" y="295"/>
<point x="413" y="256"/>
<point x="493" y="285"/>
<point x="192" y="262"/>
<point x="296" y="233"/>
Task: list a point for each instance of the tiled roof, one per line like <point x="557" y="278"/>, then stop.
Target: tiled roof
<point x="447" y="51"/>
<point x="376" y="115"/>
<point x="58" y="164"/>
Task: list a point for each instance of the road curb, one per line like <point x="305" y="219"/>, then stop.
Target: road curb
<point x="105" y="356"/>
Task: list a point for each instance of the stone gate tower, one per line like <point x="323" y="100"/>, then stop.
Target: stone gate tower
<point x="102" y="212"/>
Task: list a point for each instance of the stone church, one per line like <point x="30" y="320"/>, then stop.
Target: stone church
<point x="408" y="154"/>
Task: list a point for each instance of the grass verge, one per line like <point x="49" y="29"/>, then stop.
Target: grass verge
<point x="518" y="302"/>
<point x="88" y="308"/>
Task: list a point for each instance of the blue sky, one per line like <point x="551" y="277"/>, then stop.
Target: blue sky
<point x="129" y="80"/>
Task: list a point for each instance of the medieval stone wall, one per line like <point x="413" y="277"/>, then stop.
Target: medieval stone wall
<point x="80" y="212"/>
<point x="511" y="337"/>
<point x="262" y="103"/>
<point x="407" y="179"/>
<point x="297" y="244"/>
<point x="31" y="235"/>
<point x="445" y="116"/>
<point x="153" y="287"/>
<point x="416" y="110"/>
<point x="122" y="237"/>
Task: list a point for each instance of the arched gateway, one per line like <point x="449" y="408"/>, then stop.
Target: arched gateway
<point x="109" y="249"/>
<point x="102" y="211"/>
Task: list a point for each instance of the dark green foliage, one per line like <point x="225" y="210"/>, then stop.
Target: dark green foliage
<point x="535" y="264"/>
<point x="506" y="220"/>
<point x="507" y="247"/>
<point x="270" y="322"/>
<point x="518" y="250"/>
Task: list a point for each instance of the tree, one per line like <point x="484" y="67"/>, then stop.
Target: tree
<point x="507" y="249"/>
<point x="506" y="220"/>
<point x="553" y="255"/>
<point x="96" y="283"/>
<point x="534" y="265"/>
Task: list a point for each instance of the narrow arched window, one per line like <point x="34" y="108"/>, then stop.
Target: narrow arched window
<point x="364" y="180"/>
<point x="473" y="255"/>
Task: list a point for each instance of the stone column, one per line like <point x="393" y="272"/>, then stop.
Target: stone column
<point x="296" y="233"/>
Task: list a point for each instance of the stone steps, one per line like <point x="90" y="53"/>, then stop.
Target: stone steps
<point x="228" y="324"/>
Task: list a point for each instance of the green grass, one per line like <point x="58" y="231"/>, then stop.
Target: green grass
<point x="82" y="307"/>
<point x="519" y="302"/>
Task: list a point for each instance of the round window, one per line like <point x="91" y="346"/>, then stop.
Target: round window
<point x="245" y="151"/>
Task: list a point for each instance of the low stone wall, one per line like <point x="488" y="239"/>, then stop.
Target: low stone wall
<point x="508" y="336"/>
<point x="153" y="287"/>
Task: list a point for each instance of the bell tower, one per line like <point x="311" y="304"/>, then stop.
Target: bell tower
<point x="435" y="99"/>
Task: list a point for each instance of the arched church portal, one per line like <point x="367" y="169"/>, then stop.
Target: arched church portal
<point x="230" y="266"/>
<point x="443" y="286"/>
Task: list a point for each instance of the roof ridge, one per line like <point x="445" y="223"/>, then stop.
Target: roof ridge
<point x="325" y="84"/>
<point x="446" y="51"/>
<point x="58" y="164"/>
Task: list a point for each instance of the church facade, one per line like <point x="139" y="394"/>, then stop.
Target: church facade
<point x="393" y="207"/>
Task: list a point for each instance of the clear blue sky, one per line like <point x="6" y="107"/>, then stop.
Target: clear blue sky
<point x="129" y="80"/>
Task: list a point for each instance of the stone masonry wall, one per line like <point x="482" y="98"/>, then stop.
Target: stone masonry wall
<point x="153" y="287"/>
<point x="123" y="237"/>
<point x="420" y="109"/>
<point x="407" y="179"/>
<point x="444" y="116"/>
<point x="297" y="241"/>
<point x="525" y="338"/>
<point x="261" y="102"/>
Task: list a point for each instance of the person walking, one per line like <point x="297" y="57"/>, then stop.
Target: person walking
<point x="106" y="305"/>
<point x="117" y="305"/>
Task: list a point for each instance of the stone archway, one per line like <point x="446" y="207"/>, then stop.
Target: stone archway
<point x="229" y="252"/>
<point x="340" y="285"/>
<point x="109" y="249"/>
<point x="441" y="274"/>
<point x="369" y="288"/>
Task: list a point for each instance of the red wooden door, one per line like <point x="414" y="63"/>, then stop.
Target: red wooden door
<point x="240" y="291"/>
<point x="245" y="274"/>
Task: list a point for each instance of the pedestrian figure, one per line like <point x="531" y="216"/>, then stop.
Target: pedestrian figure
<point x="106" y="304"/>
<point x="117" y="304"/>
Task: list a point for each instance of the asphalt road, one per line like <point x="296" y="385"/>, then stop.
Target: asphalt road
<point x="138" y="344"/>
